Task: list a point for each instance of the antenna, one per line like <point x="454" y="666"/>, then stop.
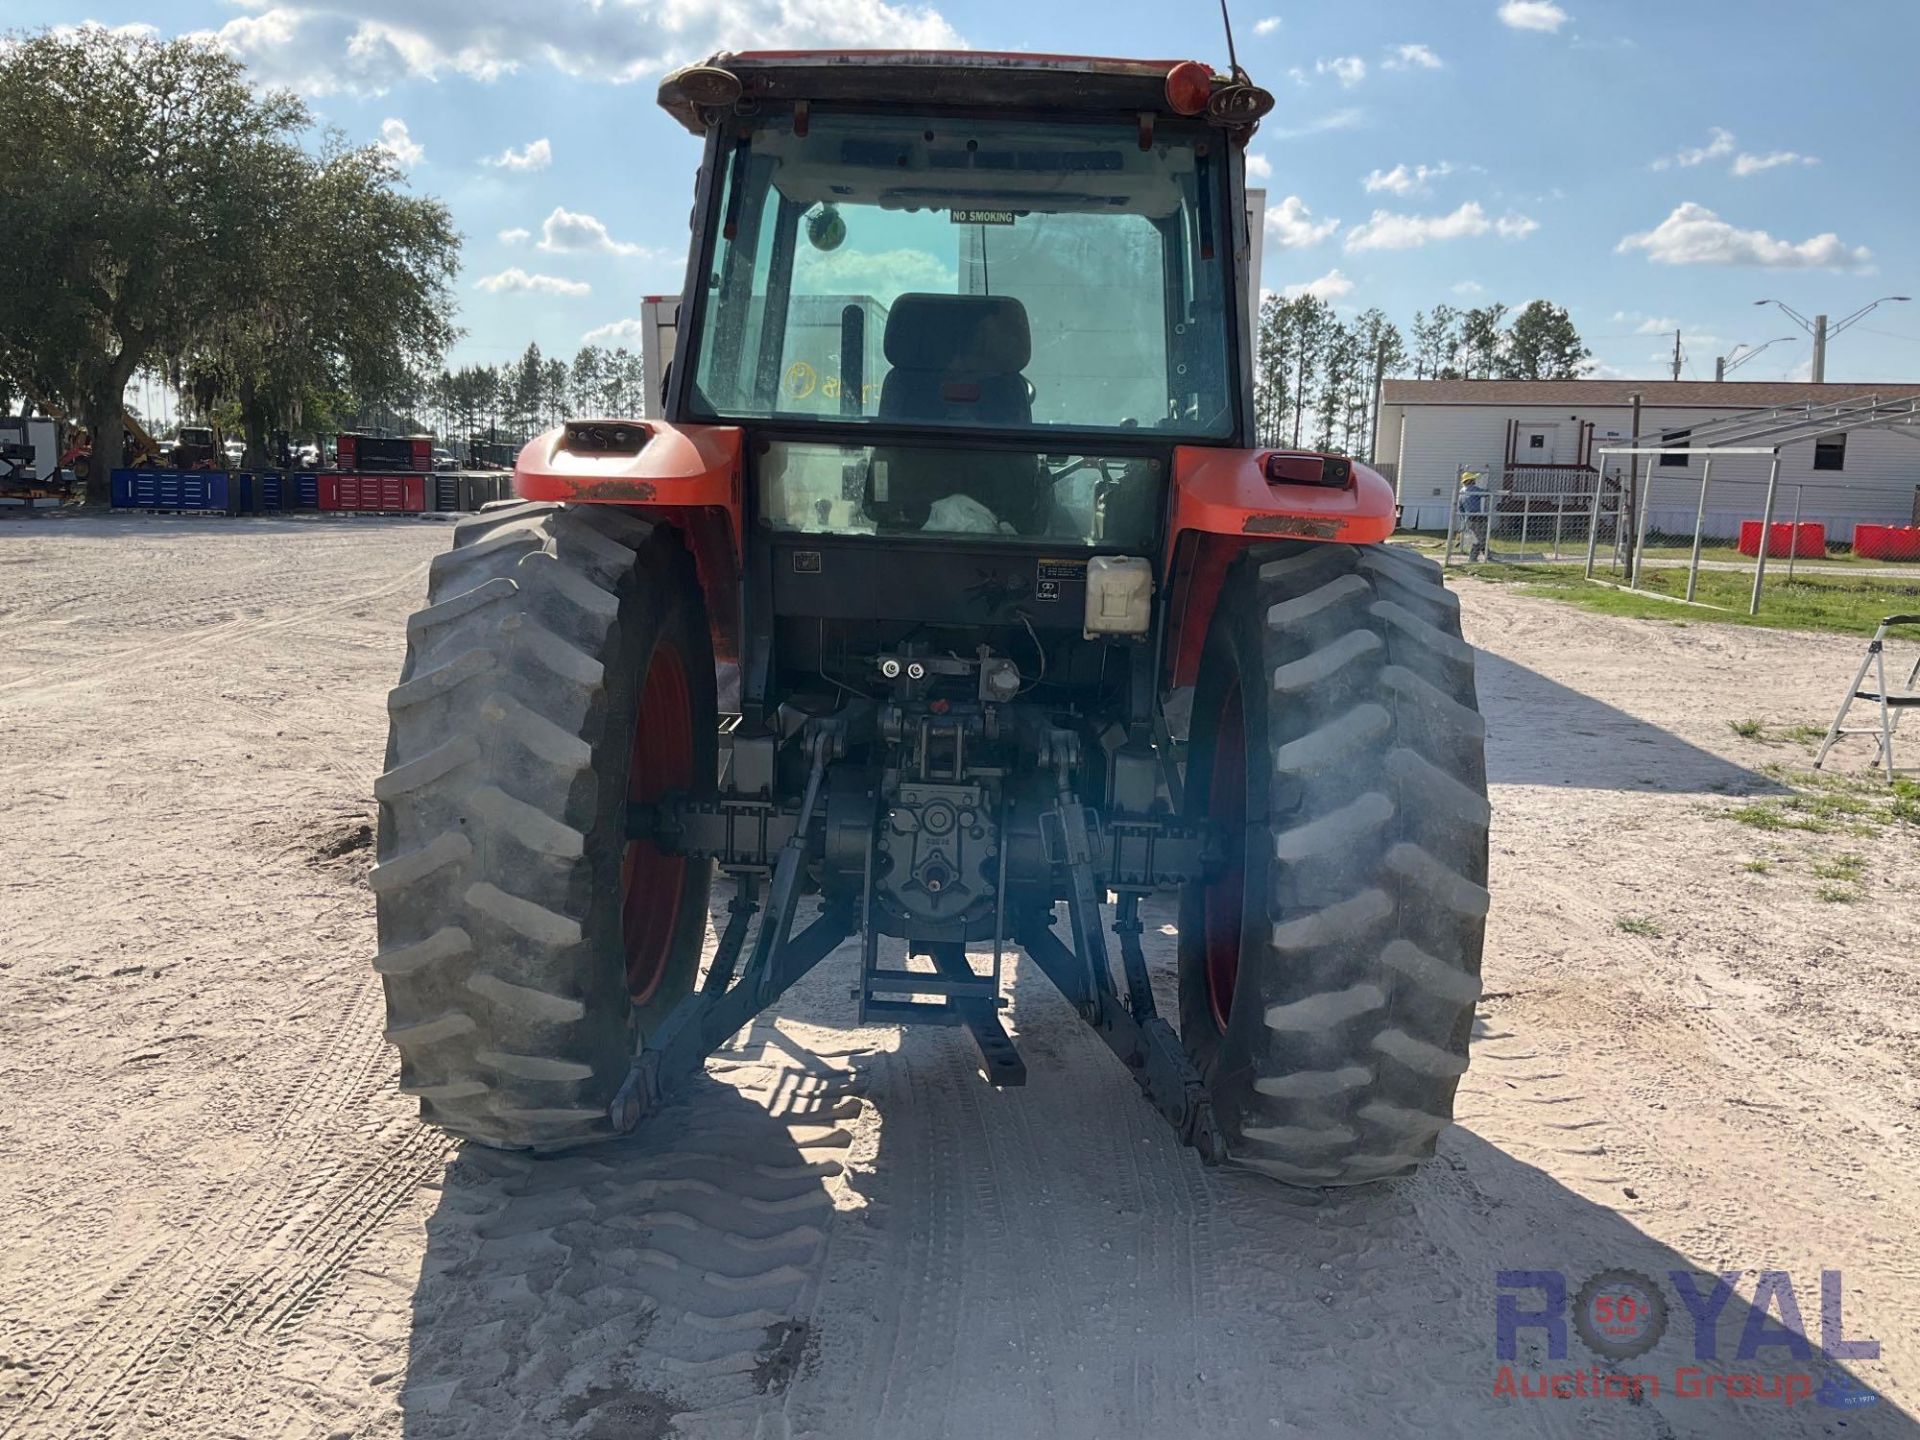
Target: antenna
<point x="1233" y="61"/>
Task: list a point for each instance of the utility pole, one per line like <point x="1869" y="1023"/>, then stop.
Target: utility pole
<point x="1676" y="354"/>
<point x="1821" y="330"/>
<point x="1300" y="385"/>
<point x="1379" y="379"/>
<point x="1719" y="368"/>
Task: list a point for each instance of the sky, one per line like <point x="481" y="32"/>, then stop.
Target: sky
<point x="1651" y="164"/>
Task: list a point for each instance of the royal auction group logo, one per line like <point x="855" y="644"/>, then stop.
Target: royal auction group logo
<point x="1621" y="1315"/>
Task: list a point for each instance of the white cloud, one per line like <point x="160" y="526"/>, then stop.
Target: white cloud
<point x="534" y="155"/>
<point x="132" y="30"/>
<point x="1291" y="226"/>
<point x="396" y="140"/>
<point x="1259" y="167"/>
<point x="1719" y="144"/>
<point x="1349" y="70"/>
<point x="569" y="232"/>
<point x="515" y="281"/>
<point x="1385" y="230"/>
<point x="1412" y="57"/>
<point x="368" y="46"/>
<point x="1745" y="165"/>
<point x="1347" y="119"/>
<point x="1656" y="325"/>
<point x="615" y="332"/>
<point x="1330" y="286"/>
<point x="1469" y="288"/>
<point x="1694" y="235"/>
<point x="1406" y="179"/>
<point x="1266" y="25"/>
<point x="276" y="48"/>
<point x="1532" y="15"/>
<point x="515" y="236"/>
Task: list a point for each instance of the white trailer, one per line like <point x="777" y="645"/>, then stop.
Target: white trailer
<point x="659" y="321"/>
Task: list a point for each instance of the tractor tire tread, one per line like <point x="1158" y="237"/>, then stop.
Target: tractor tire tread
<point x="1375" y="884"/>
<point x="501" y="802"/>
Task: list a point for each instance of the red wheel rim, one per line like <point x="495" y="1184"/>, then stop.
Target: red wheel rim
<point x="651" y="883"/>
<point x="1227" y="806"/>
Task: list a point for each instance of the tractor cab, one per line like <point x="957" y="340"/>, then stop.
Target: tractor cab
<point x="985" y="319"/>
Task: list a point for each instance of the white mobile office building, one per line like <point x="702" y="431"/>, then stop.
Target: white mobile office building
<point x="1542" y="436"/>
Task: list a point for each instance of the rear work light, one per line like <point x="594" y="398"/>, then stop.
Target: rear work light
<point x="1189" y="87"/>
<point x="1296" y="467"/>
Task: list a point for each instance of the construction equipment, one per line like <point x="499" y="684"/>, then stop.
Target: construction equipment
<point x="1888" y="704"/>
<point x="896" y="614"/>
<point x="138" y="449"/>
<point x="30" y="474"/>
<point x="199" y="447"/>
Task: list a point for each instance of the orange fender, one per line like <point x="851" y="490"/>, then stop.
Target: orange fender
<point x="1223" y="502"/>
<point x="685" y="476"/>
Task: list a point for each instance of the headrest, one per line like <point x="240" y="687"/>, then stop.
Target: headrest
<point x="976" y="334"/>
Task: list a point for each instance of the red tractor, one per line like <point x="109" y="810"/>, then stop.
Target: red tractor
<point x="951" y="590"/>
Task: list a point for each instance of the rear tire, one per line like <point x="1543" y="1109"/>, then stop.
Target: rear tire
<point x="1328" y="977"/>
<point x="561" y="669"/>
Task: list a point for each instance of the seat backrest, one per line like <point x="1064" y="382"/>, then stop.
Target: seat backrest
<point x="957" y="359"/>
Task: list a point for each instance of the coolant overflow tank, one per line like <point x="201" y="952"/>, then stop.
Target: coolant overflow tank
<point x="1119" y="595"/>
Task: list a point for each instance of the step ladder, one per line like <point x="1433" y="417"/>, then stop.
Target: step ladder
<point x="1889" y="702"/>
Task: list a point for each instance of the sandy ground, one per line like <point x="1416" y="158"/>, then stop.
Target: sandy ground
<point x="218" y="1219"/>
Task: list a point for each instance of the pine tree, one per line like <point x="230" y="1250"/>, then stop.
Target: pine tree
<point x="1542" y="344"/>
<point x="1482" y="342"/>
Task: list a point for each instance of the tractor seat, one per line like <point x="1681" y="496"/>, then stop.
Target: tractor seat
<point x="956" y="361"/>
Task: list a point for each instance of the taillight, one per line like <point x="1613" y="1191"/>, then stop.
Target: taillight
<point x="1189" y="87"/>
<point x="1296" y="467"/>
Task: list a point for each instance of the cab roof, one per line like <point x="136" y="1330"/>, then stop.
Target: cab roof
<point x="945" y="79"/>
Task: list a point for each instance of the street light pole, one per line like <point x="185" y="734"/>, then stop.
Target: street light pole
<point x="1726" y="364"/>
<point x="1822" y="331"/>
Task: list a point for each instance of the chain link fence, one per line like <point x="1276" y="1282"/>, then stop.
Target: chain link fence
<point x="1621" y="524"/>
<point x="1534" y="515"/>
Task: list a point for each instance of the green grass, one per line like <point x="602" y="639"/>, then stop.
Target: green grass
<point x="1841" y="867"/>
<point x="1637" y="925"/>
<point x="1757" y="866"/>
<point x="1837" y="894"/>
<point x="1818" y="812"/>
<point x="1772" y="815"/>
<point x="1752" y="729"/>
<point x="1683" y="550"/>
<point x="1845" y="604"/>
